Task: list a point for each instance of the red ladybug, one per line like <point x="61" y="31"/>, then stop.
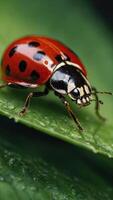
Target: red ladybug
<point x="34" y="61"/>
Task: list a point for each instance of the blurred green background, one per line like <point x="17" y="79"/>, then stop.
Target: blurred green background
<point x="35" y="166"/>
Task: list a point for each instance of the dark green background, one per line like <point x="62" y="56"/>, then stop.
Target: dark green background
<point x="34" y="165"/>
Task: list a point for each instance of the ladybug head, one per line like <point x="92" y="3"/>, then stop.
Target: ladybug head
<point x="69" y="80"/>
<point x="79" y="89"/>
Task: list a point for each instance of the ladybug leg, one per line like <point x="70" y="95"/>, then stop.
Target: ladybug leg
<point x="97" y="104"/>
<point x="68" y="108"/>
<point x="26" y="104"/>
<point x="28" y="99"/>
<point x="4" y="85"/>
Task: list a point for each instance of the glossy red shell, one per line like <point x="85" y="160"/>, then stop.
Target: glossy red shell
<point x="25" y="49"/>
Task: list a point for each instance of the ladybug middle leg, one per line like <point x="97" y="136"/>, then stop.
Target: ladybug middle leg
<point x="68" y="108"/>
<point x="3" y="85"/>
<point x="30" y="95"/>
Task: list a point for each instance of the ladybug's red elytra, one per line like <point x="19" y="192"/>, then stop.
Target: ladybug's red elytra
<point x="34" y="61"/>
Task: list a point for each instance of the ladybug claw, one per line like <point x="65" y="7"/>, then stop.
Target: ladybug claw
<point x="22" y="112"/>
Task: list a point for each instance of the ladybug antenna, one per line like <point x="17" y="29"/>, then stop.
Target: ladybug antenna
<point x="95" y="91"/>
<point x="101" y="102"/>
<point x="109" y="93"/>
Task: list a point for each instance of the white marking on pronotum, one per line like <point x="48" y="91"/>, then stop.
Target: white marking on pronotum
<point x="71" y="86"/>
<point x="86" y="89"/>
<point x="81" y="91"/>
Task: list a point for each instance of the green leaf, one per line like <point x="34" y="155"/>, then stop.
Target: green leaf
<point x="36" y="167"/>
<point x="78" y="27"/>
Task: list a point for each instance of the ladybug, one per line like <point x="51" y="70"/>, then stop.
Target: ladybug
<point x="33" y="61"/>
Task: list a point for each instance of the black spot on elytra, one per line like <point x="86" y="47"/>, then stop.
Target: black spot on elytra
<point x="58" y="58"/>
<point x="12" y="52"/>
<point x="34" y="75"/>
<point x="8" y="70"/>
<point x="22" y="65"/>
<point x="34" y="44"/>
<point x="39" y="55"/>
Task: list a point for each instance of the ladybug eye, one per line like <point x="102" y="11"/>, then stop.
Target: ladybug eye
<point x="75" y="93"/>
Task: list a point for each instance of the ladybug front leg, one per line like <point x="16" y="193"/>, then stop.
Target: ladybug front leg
<point x="68" y="108"/>
<point x="97" y="104"/>
<point x="30" y="95"/>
